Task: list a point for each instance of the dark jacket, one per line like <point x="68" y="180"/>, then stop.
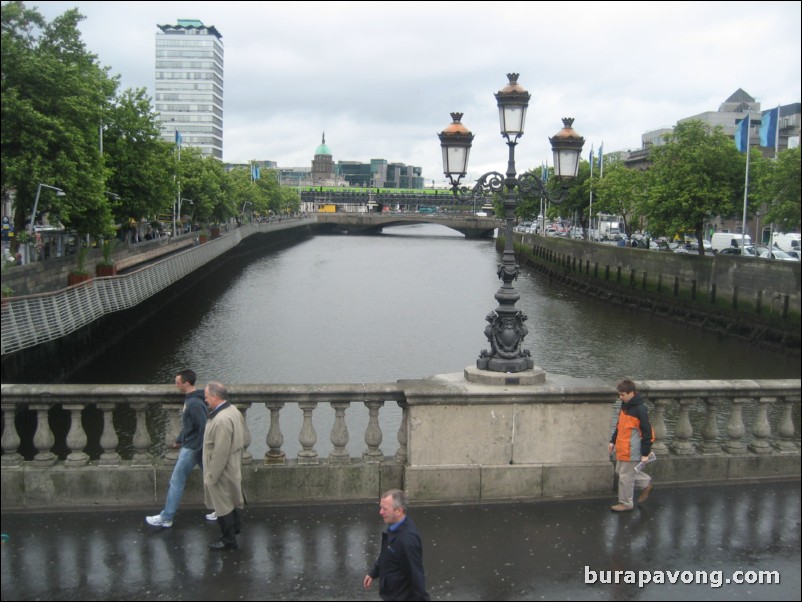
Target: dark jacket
<point x="633" y="435"/>
<point x="193" y="421"/>
<point x="400" y="564"/>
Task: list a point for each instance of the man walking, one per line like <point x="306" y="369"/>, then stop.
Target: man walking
<point x="190" y="441"/>
<point x="225" y="439"/>
<point x="632" y="440"/>
<point x="400" y="564"/>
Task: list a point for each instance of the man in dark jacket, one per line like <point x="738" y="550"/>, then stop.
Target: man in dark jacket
<point x="632" y="440"/>
<point x="400" y="564"/>
<point x="190" y="441"/>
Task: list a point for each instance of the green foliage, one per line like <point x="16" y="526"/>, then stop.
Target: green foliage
<point x="53" y="94"/>
<point x="622" y="191"/>
<point x="697" y="174"/>
<point x="80" y="261"/>
<point x="108" y="249"/>
<point x="779" y="188"/>
<point x="140" y="164"/>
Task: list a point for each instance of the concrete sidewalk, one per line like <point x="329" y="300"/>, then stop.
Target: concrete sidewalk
<point x="506" y="551"/>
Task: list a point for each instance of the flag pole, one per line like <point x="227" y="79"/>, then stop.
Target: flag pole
<point x="590" y="210"/>
<point x="746" y="191"/>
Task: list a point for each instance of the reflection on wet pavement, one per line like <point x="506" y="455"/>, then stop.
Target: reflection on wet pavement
<point x="501" y="551"/>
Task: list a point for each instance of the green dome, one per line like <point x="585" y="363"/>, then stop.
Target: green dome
<point x="323" y="149"/>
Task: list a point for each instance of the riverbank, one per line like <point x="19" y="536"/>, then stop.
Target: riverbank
<point x="759" y="305"/>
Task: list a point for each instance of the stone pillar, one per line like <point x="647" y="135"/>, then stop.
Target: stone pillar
<point x="141" y="436"/>
<point x="761" y="430"/>
<point x="43" y="439"/>
<point x="373" y="434"/>
<point x="682" y="445"/>
<point x="660" y="447"/>
<point x="247" y="457"/>
<point x="10" y="439"/>
<point x="339" y="434"/>
<point x="710" y="445"/>
<point x="785" y="444"/>
<point x="307" y="437"/>
<point x="173" y="428"/>
<point x="735" y="427"/>
<point x="108" y="440"/>
<point x="76" y="438"/>
<point x="274" y="438"/>
<point x="403" y="434"/>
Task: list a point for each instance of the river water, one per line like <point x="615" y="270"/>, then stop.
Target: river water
<point x="408" y="303"/>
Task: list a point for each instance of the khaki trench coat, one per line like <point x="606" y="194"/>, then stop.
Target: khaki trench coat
<point x="223" y="444"/>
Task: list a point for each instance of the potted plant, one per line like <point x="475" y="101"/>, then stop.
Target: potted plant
<point x="214" y="231"/>
<point x="203" y="236"/>
<point x="107" y="266"/>
<point x="79" y="274"/>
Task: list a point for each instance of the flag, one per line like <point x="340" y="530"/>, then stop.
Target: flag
<point x="590" y="157"/>
<point x="768" y="127"/>
<point x="178" y="139"/>
<point x="742" y="134"/>
<point x="255" y="175"/>
<point x="601" y="153"/>
<point x="544" y="173"/>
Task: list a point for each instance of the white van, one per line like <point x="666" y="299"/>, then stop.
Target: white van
<point x="723" y="240"/>
<point x="787" y="242"/>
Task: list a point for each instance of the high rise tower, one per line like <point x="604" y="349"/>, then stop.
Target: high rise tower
<point x="189" y="85"/>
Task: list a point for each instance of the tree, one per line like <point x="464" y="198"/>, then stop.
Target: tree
<point x="203" y="180"/>
<point x="696" y="174"/>
<point x="622" y="191"/>
<point x="140" y="164"/>
<point x="779" y="189"/>
<point x="53" y="97"/>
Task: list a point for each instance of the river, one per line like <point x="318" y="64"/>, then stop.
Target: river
<point x="408" y="303"/>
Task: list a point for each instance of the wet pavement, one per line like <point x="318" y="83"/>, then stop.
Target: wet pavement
<point x="543" y="550"/>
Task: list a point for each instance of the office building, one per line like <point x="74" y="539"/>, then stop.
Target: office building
<point x="189" y="85"/>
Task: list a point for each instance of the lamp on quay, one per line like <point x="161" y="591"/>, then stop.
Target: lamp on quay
<point x="506" y="330"/>
<point x="59" y="192"/>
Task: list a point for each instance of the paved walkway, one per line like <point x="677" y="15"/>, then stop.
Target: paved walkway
<point x="506" y="551"/>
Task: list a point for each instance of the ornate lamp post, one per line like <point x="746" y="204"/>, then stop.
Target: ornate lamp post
<point x="59" y="192"/>
<point x="506" y="330"/>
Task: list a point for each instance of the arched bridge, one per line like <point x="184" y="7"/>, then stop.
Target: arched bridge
<point x="471" y="226"/>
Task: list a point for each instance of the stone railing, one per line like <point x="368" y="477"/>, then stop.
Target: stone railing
<point x="454" y="440"/>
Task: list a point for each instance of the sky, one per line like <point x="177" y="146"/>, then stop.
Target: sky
<point x="381" y="78"/>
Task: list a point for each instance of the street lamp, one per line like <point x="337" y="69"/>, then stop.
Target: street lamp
<point x="191" y="202"/>
<point x="59" y="192"/>
<point x="506" y="330"/>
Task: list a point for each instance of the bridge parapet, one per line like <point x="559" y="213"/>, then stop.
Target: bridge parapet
<point x="471" y="226"/>
<point x="455" y="440"/>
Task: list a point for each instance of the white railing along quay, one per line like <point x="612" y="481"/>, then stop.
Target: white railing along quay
<point x="31" y="320"/>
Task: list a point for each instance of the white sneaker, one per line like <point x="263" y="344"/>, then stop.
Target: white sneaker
<point x="156" y="521"/>
<point x="212" y="516"/>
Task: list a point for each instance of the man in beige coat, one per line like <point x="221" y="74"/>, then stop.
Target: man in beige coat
<point x="224" y="441"/>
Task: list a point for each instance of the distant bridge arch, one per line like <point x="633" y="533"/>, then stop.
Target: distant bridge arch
<point x="471" y="226"/>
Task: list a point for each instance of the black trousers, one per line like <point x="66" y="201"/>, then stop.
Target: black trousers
<point x="230" y="526"/>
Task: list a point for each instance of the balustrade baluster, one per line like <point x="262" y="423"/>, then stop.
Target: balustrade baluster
<point x="274" y="438"/>
<point x="11" y="438"/>
<point x="307" y="437"/>
<point x="373" y="433"/>
<point x="174" y="427"/>
<point x="785" y="444"/>
<point x="43" y="438"/>
<point x="659" y="426"/>
<point x="710" y="445"/>
<point x="76" y="437"/>
<point x="339" y="433"/>
<point x="403" y="434"/>
<point x="761" y="430"/>
<point x="108" y="440"/>
<point x="682" y="445"/>
<point x="141" y="436"/>
<point x="735" y="427"/>
<point x="247" y="457"/>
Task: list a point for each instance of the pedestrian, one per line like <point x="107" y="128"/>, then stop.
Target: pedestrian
<point x="632" y="440"/>
<point x="400" y="563"/>
<point x="225" y="440"/>
<point x="190" y="443"/>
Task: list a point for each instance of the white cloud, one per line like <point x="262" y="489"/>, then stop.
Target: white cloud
<point x="381" y="79"/>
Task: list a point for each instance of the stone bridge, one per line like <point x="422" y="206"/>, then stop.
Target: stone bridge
<point x="471" y="226"/>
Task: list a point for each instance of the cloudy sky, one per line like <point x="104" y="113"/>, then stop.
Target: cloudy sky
<point x="382" y="78"/>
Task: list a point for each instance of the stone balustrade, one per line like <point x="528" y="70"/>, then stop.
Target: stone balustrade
<point x="108" y="444"/>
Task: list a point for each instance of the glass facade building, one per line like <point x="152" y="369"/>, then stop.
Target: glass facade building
<point x="189" y="85"/>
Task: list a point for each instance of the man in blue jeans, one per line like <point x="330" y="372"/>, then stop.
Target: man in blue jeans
<point x="190" y="442"/>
